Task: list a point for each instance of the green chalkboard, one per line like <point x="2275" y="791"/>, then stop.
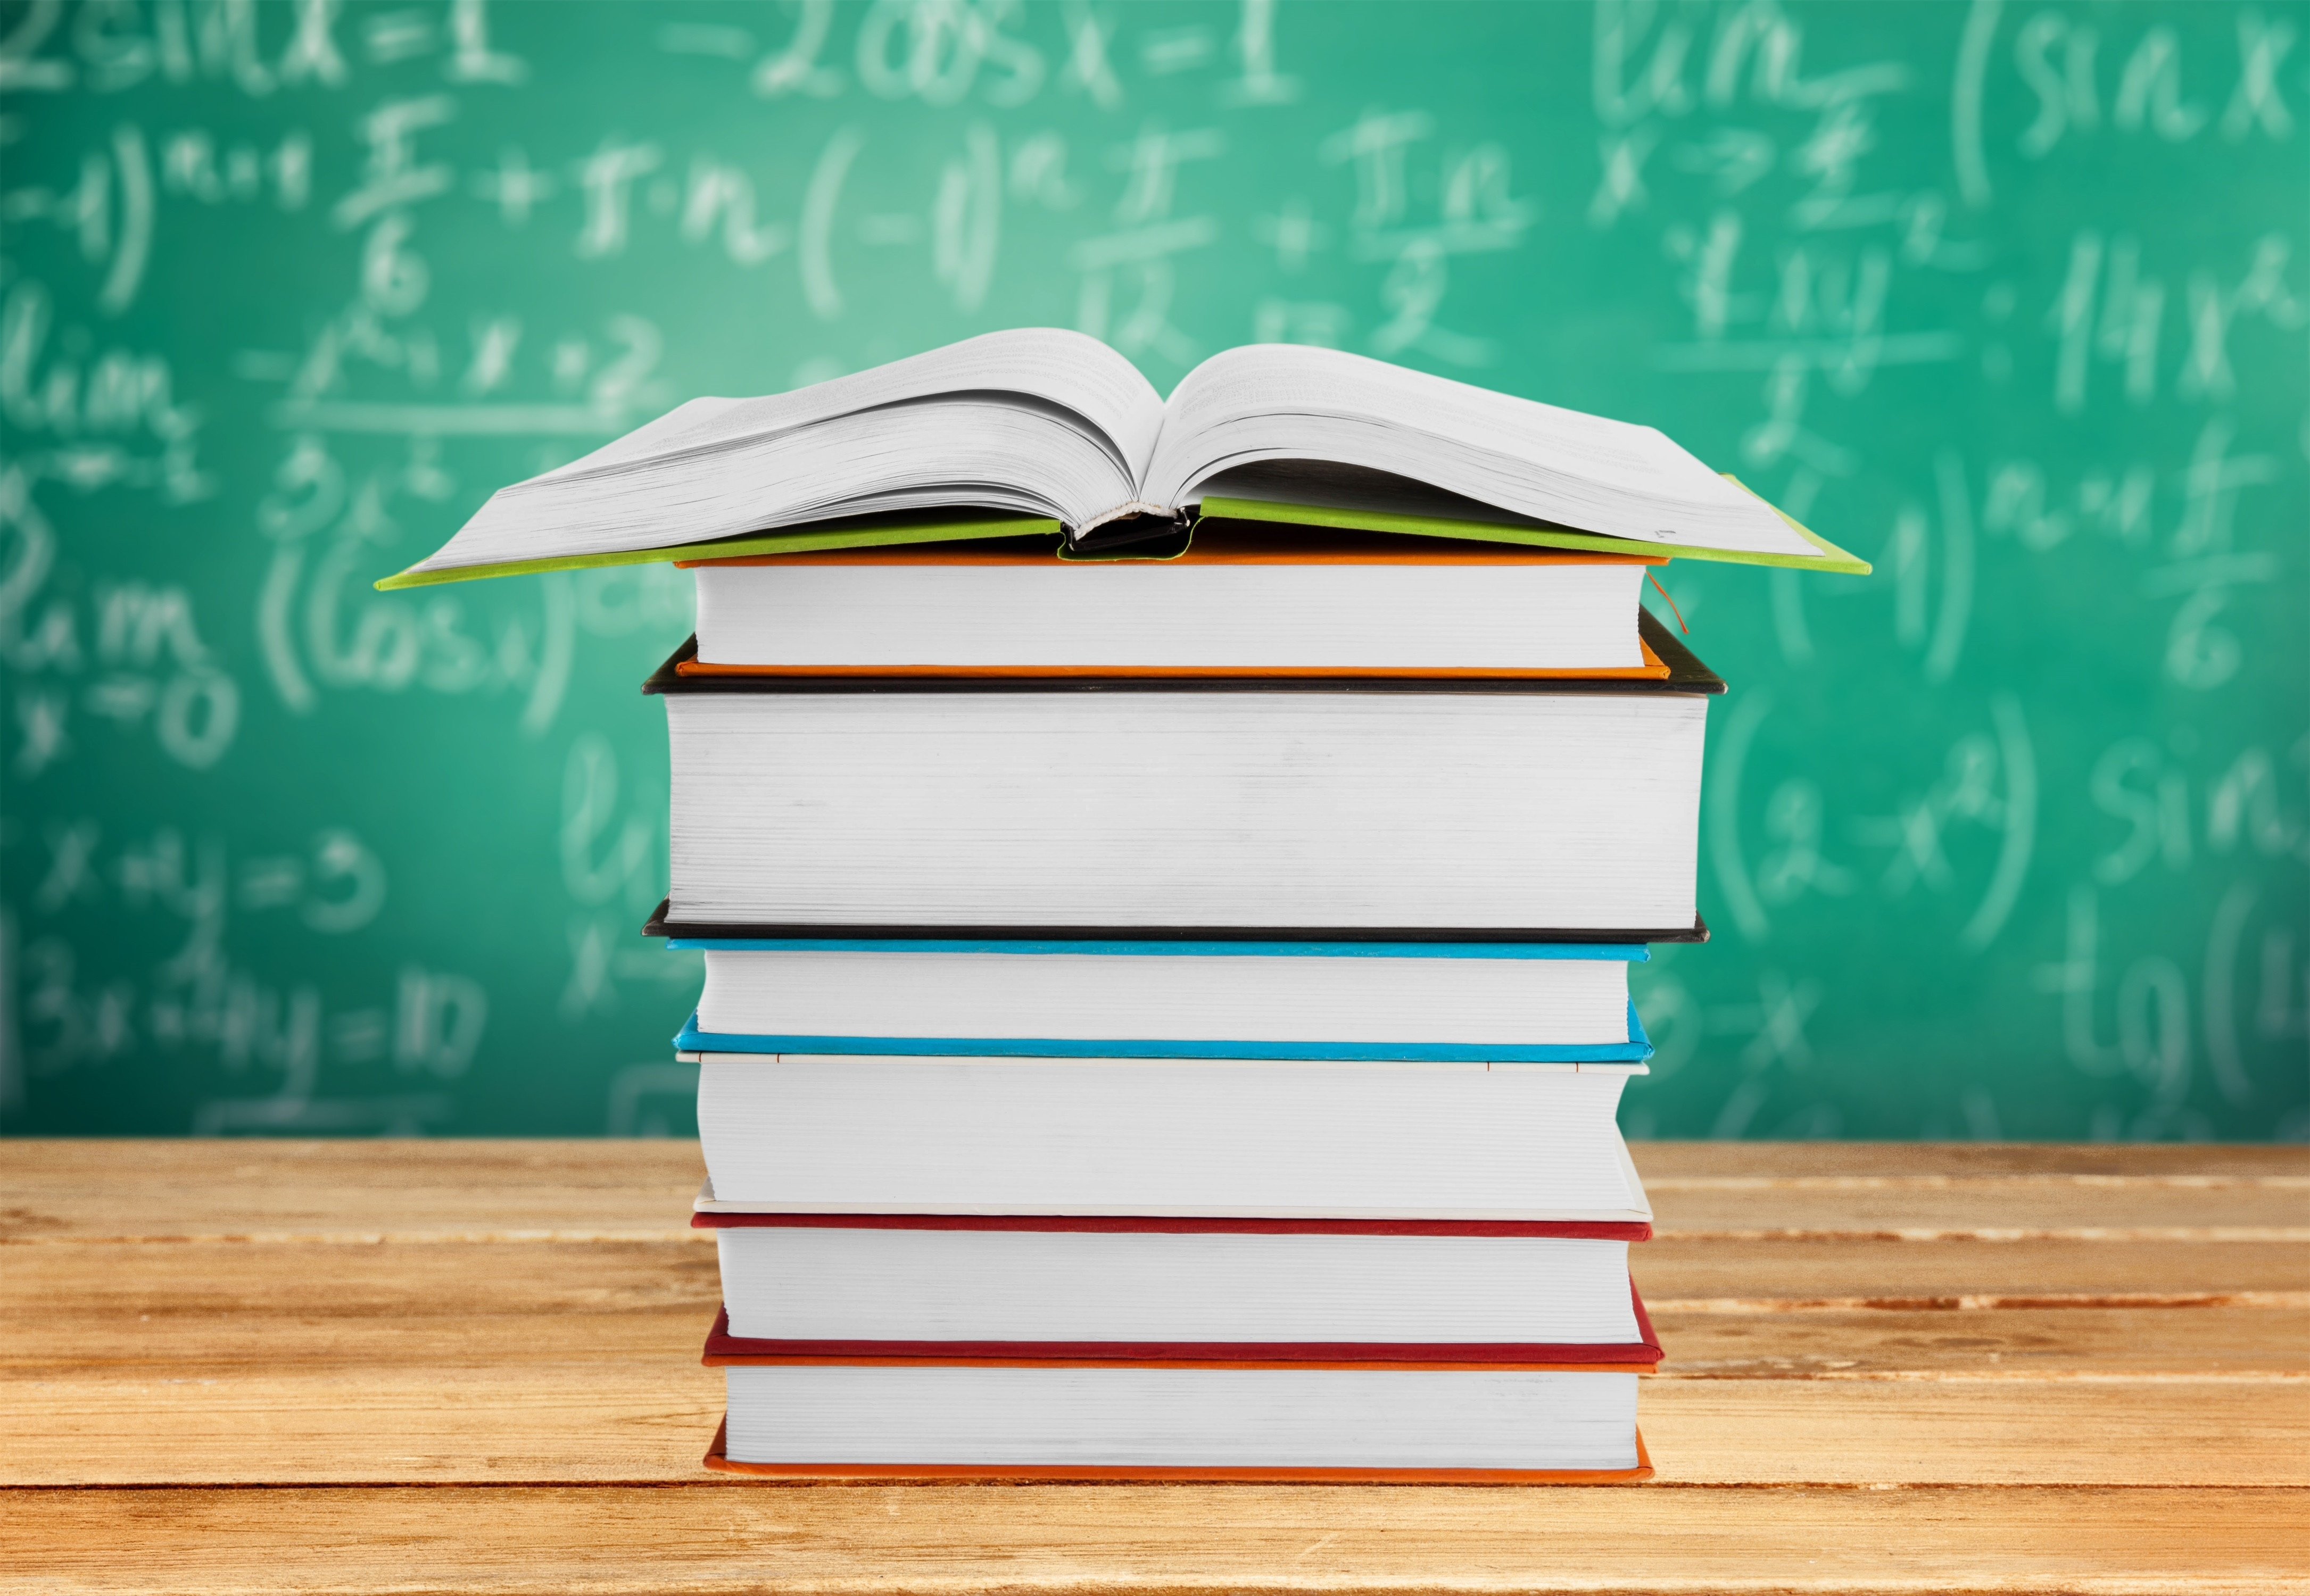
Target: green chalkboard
<point x="2010" y="838"/>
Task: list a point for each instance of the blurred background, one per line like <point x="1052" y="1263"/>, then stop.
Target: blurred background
<point x="2010" y="839"/>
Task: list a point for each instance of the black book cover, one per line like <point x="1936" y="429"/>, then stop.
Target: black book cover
<point x="1687" y="675"/>
<point x="661" y="924"/>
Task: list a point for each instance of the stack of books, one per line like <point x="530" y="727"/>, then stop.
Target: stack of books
<point x="1166" y="947"/>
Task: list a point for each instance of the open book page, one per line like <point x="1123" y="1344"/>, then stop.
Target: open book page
<point x="1071" y="370"/>
<point x="1330" y="484"/>
<point x="1283" y="402"/>
<point x="1038" y="421"/>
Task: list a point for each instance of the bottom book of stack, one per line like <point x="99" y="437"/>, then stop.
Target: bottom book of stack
<point x="1173" y="1269"/>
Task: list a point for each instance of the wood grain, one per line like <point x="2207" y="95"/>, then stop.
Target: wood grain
<point x="351" y="1191"/>
<point x="1671" y="1272"/>
<point x="1151" y="1540"/>
<point x="474" y="1367"/>
<point x="647" y="1419"/>
<point x="1675" y="1270"/>
<point x="195" y="1311"/>
<point x="1817" y="1163"/>
<point x="2051" y="1344"/>
<point x="59" y="1190"/>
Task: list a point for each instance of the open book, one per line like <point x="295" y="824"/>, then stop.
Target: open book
<point x="1053" y="430"/>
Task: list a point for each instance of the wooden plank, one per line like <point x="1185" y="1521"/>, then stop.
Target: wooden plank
<point x="866" y="1538"/>
<point x="205" y="1300"/>
<point x="526" y="1357"/>
<point x="1986" y="1208"/>
<point x="1738" y="1191"/>
<point x="1683" y="1162"/>
<point x="199" y="1310"/>
<point x="639" y="1420"/>
<point x="2053" y="1344"/>
<point x="353" y="1191"/>
<point x="195" y="1311"/>
<point x="647" y="1419"/>
<point x="356" y="1190"/>
<point x="1978" y="1432"/>
<point x="1677" y="1273"/>
<point x="2011" y="1344"/>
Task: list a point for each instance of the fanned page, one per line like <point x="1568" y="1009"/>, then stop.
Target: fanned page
<point x="1036" y="421"/>
<point x="1285" y="401"/>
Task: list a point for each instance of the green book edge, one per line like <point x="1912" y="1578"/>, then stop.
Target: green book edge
<point x="1832" y="559"/>
<point x="853" y="537"/>
<point x="883" y="534"/>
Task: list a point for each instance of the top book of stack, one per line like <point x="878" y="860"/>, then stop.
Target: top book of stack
<point x="1038" y="431"/>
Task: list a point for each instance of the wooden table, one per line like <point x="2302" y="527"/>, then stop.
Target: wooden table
<point x="474" y="1367"/>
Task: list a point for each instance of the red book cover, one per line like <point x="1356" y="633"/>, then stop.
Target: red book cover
<point x="1569" y="1229"/>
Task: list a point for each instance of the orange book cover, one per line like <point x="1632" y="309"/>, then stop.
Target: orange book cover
<point x="731" y="1219"/>
<point x="717" y="1458"/>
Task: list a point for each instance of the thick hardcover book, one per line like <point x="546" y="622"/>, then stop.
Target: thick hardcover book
<point x="852" y="1133"/>
<point x="1640" y="1355"/>
<point x="1237" y="599"/>
<point x="1301" y="808"/>
<point x="1636" y="1050"/>
<point x="661" y="924"/>
<point x="1506" y="1001"/>
<point x="689" y="1039"/>
<point x="1213" y="1292"/>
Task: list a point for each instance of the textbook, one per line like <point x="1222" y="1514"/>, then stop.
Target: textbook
<point x="1237" y="598"/>
<point x="851" y="1133"/>
<point x="1478" y="1424"/>
<point x="807" y="1291"/>
<point x="1039" y="429"/>
<point x="1508" y="1001"/>
<point x="1085" y="806"/>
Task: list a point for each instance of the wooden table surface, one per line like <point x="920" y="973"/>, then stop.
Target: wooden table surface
<point x="474" y="1367"/>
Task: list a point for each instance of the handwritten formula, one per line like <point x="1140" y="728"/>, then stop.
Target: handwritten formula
<point x="2009" y="839"/>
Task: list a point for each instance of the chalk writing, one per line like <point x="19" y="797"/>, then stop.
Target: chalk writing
<point x="2010" y="839"/>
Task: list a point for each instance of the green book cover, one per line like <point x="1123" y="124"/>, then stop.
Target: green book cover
<point x="1832" y="559"/>
<point x="859" y="532"/>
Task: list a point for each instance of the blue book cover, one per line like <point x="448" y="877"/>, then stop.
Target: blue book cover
<point x="1635" y="1050"/>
